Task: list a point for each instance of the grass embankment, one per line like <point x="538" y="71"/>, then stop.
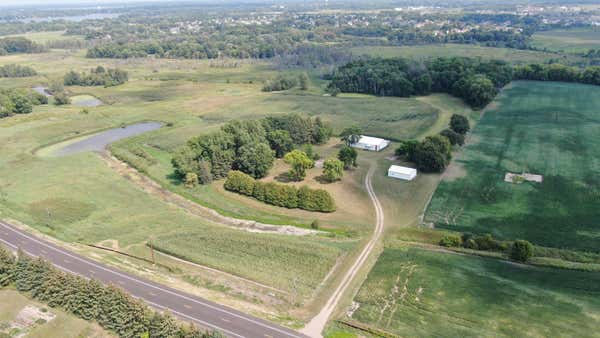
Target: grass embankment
<point x="414" y="292"/>
<point x="542" y="128"/>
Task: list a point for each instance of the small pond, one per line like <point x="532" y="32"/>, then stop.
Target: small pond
<point x="99" y="141"/>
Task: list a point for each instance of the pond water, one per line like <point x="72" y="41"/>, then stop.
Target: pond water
<point x="85" y="101"/>
<point x="99" y="141"/>
<point x="41" y="90"/>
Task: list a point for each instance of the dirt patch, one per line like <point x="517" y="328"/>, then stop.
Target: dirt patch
<point x="27" y="319"/>
<point x="454" y="171"/>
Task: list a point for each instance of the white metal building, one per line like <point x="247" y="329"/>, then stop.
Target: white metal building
<point x="402" y="173"/>
<point x="371" y="143"/>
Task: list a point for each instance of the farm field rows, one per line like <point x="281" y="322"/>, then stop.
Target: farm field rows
<point x="414" y="292"/>
<point x="549" y="129"/>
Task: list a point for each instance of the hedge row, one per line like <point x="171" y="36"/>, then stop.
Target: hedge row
<point x="111" y="307"/>
<point x="280" y="194"/>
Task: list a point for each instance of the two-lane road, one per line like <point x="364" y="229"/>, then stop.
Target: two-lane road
<point x="191" y="308"/>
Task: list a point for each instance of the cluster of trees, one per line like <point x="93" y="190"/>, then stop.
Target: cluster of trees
<point x="474" y="80"/>
<point x="249" y="146"/>
<point x="19" y="101"/>
<point x="98" y="76"/>
<point x="19" y="45"/>
<point x="519" y="250"/>
<point x="434" y="153"/>
<point x="16" y="71"/>
<point x="111" y="307"/>
<point x="280" y="194"/>
<point x="285" y="82"/>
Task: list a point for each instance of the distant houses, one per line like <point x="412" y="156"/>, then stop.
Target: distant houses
<point x="370" y="143"/>
<point x="403" y="173"/>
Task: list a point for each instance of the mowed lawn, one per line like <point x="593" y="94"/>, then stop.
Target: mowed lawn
<point x="417" y="293"/>
<point x="551" y="129"/>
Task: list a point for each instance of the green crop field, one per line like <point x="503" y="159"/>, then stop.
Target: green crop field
<point x="577" y="40"/>
<point x="463" y="50"/>
<point x="416" y="293"/>
<point x="549" y="129"/>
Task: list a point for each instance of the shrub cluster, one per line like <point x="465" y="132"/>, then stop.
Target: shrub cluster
<point x="474" y="242"/>
<point x="17" y="71"/>
<point x="111" y="307"/>
<point x="280" y="194"/>
<point x="98" y="76"/>
<point x="19" y="101"/>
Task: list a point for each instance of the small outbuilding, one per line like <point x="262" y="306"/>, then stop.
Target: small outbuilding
<point x="371" y="143"/>
<point x="403" y="173"/>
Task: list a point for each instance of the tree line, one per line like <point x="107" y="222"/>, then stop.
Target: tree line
<point x="474" y="80"/>
<point x="249" y="146"/>
<point x="280" y="194"/>
<point x="19" y="101"/>
<point x="14" y="45"/>
<point x="98" y="76"/>
<point x="110" y="306"/>
<point x="13" y="70"/>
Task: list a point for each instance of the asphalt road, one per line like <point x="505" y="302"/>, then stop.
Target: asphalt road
<point x="203" y="313"/>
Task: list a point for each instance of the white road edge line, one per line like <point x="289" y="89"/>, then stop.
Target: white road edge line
<point x="150" y="285"/>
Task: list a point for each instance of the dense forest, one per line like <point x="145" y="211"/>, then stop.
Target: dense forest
<point x="476" y="81"/>
<point x="98" y="76"/>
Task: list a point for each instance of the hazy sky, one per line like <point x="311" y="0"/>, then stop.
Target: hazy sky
<point x="49" y="2"/>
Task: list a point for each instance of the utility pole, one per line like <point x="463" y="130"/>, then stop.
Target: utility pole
<point x="151" y="249"/>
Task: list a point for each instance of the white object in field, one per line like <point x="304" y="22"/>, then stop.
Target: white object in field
<point x="370" y="143"/>
<point x="520" y="178"/>
<point x="403" y="173"/>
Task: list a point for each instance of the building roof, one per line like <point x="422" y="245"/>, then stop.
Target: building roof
<point x="371" y="140"/>
<point x="402" y="170"/>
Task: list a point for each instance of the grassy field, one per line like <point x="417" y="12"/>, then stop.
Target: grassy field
<point x="464" y="50"/>
<point x="578" y="40"/>
<point x="549" y="129"/>
<point x="62" y="326"/>
<point x="413" y="292"/>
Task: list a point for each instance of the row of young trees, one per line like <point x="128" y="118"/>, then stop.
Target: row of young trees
<point x="13" y="70"/>
<point x="434" y="153"/>
<point x="98" y="76"/>
<point x="19" y="101"/>
<point x="282" y="195"/>
<point x="474" y="80"/>
<point x="519" y="250"/>
<point x="111" y="307"/>
<point x="249" y="146"/>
